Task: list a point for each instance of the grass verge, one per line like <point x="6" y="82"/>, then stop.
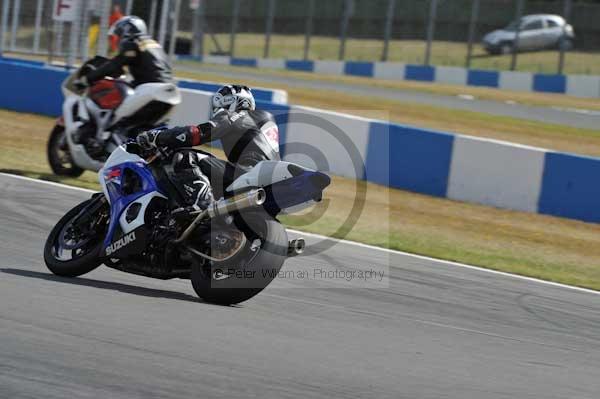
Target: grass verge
<point x="534" y="245"/>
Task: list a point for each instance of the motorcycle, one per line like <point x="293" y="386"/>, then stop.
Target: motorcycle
<point x="139" y="223"/>
<point x="107" y="112"/>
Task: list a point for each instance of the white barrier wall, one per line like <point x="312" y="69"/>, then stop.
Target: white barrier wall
<point x="319" y="129"/>
<point x="270" y="63"/>
<point x="389" y="70"/>
<point x="329" y="67"/>
<point x="194" y="108"/>
<point x="494" y="173"/>
<point x="583" y="86"/>
<point x="451" y="75"/>
<point x="518" y="81"/>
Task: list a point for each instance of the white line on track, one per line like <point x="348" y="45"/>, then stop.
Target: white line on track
<point x="366" y="246"/>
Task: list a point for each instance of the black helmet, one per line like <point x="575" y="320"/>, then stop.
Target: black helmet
<point x="233" y="98"/>
<point x="128" y="27"/>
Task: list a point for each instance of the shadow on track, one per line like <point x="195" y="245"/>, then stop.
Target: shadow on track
<point x="105" y="285"/>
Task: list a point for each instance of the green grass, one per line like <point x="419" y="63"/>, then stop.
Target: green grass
<point x="544" y="247"/>
<point x="407" y="51"/>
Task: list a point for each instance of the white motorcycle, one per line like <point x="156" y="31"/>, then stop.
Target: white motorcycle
<point x="98" y="119"/>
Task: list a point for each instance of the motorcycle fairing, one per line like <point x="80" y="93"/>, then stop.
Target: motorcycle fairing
<point x="129" y="186"/>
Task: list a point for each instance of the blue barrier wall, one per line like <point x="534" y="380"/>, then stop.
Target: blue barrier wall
<point x="419" y="72"/>
<point x="419" y="160"/>
<point x="359" y="68"/>
<point x="571" y="187"/>
<point x="249" y="62"/>
<point x="32" y="88"/>
<point x="306" y="66"/>
<point x="476" y="77"/>
<point x="550" y="83"/>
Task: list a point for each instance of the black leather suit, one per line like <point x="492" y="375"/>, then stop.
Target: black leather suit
<point x="145" y="59"/>
<point x="248" y="137"/>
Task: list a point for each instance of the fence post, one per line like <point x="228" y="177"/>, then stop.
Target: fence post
<point x="74" y="36"/>
<point x="515" y="47"/>
<point x="38" y="26"/>
<point x="84" y="34"/>
<point x="164" y="19"/>
<point x="4" y="24"/>
<point x="198" y="35"/>
<point x="128" y="7"/>
<point x="152" y="21"/>
<point x="59" y="28"/>
<point x="430" y="29"/>
<point x="15" y="24"/>
<point x="561" y="57"/>
<point x="309" y="27"/>
<point x="389" y="23"/>
<point x="174" y="27"/>
<point x="472" y="30"/>
<point x="269" y="27"/>
<point x="234" y="23"/>
<point x="348" y="11"/>
<point x="104" y="25"/>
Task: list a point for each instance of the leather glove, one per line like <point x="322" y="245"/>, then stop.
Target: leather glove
<point x="147" y="140"/>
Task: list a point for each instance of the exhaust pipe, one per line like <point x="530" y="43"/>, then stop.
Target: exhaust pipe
<point x="224" y="207"/>
<point x="296" y="247"/>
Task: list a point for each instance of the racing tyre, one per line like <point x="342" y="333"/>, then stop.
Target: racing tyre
<point x="72" y="249"/>
<point x="251" y="270"/>
<point x="59" y="156"/>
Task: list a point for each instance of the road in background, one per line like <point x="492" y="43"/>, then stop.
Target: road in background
<point x="585" y="119"/>
<point x="437" y="331"/>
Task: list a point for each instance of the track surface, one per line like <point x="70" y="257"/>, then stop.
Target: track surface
<point x="575" y="118"/>
<point x="437" y="331"/>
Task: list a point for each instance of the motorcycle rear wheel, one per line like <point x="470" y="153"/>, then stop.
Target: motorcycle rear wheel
<point x="251" y="270"/>
<point x="59" y="156"/>
<point x="84" y="251"/>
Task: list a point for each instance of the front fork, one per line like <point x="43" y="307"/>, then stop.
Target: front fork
<point x="85" y="219"/>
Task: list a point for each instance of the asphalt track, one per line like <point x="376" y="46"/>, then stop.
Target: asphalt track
<point x="437" y="330"/>
<point x="580" y="118"/>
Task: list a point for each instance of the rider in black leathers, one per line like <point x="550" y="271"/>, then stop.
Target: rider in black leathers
<point x="145" y="58"/>
<point x="146" y="62"/>
<point x="248" y="135"/>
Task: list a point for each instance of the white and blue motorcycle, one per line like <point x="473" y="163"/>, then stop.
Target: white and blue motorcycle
<point x="140" y="224"/>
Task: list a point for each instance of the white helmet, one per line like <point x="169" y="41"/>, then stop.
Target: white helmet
<point x="233" y="98"/>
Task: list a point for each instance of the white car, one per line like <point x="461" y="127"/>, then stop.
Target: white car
<point x="536" y="32"/>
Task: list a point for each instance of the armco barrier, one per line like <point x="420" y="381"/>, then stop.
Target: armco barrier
<point x="574" y="85"/>
<point x="435" y="163"/>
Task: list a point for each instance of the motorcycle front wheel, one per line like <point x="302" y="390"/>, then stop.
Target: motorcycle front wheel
<point x="251" y="270"/>
<point x="59" y="157"/>
<point x="73" y="246"/>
